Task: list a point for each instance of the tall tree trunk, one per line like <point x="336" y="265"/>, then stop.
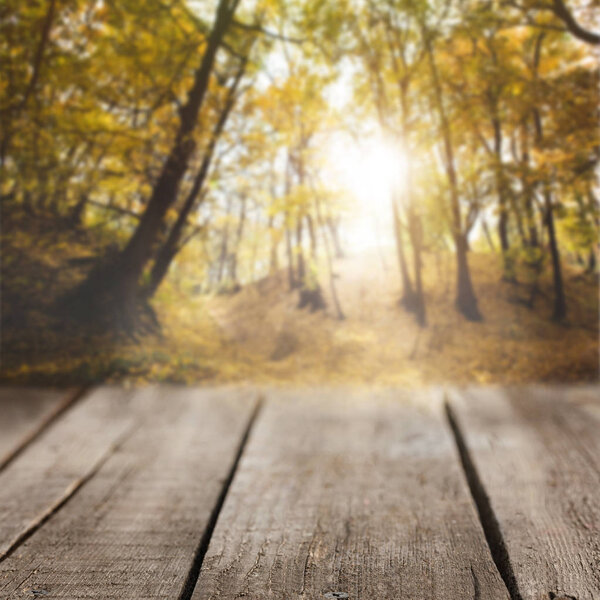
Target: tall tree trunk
<point x="114" y="286"/>
<point x="274" y="244"/>
<point x="560" y="305"/>
<point x="466" y="301"/>
<point x="301" y="268"/>
<point x="292" y="282"/>
<point x="224" y="250"/>
<point x="591" y="263"/>
<point x="502" y="204"/>
<point x="488" y="237"/>
<point x="312" y="236"/>
<point x="238" y="241"/>
<point x="171" y="246"/>
<point x="518" y="212"/>
<point x="416" y="237"/>
<point x="415" y="231"/>
<point x="293" y="278"/>
<point x="526" y="186"/>
<point x="334" y="227"/>
<point x="75" y="218"/>
<point x="408" y="293"/>
<point x="336" y="301"/>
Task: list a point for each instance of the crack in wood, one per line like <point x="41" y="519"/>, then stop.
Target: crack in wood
<point x="68" y="494"/>
<point x="476" y="586"/>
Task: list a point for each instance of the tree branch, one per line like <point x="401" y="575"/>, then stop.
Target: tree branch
<point x="258" y="29"/>
<point x="560" y="9"/>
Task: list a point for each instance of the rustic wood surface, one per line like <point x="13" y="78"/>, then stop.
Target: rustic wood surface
<point x="40" y="479"/>
<point x="349" y="497"/>
<point x="24" y="412"/>
<point x="536" y="453"/>
<point x="132" y="531"/>
<point x="337" y="494"/>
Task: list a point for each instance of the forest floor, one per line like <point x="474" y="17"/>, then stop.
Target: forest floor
<point x="259" y="335"/>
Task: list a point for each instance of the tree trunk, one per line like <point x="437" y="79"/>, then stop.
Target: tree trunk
<point x="466" y="301"/>
<point x="335" y="236"/>
<point x="502" y="207"/>
<point x="76" y="216"/>
<point x="416" y="238"/>
<point x="238" y="242"/>
<point x="408" y="294"/>
<point x="224" y="251"/>
<point x="300" y="269"/>
<point x="336" y="301"/>
<point x="171" y="246"/>
<point x="591" y="264"/>
<point x="290" y="255"/>
<point x="273" y="259"/>
<point x="488" y="237"/>
<point x="526" y="186"/>
<point x="113" y="288"/>
<point x="560" y="305"/>
<point x="312" y="236"/>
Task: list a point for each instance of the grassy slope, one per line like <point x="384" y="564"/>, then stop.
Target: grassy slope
<point x="259" y="335"/>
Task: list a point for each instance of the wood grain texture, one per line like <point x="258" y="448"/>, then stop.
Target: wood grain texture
<point x="536" y="452"/>
<point x="24" y="412"/>
<point x="340" y="496"/>
<point x="56" y="463"/>
<point x="132" y="531"/>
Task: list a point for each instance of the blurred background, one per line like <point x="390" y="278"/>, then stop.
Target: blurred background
<point x="297" y="191"/>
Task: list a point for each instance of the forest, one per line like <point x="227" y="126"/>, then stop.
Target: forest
<point x="378" y="191"/>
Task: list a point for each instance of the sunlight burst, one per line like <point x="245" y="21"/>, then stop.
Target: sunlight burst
<point x="370" y="172"/>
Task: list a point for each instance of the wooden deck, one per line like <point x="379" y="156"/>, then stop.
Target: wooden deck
<point x="236" y="493"/>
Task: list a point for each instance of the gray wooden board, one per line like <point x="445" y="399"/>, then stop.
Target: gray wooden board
<point x="132" y="530"/>
<point x="55" y="464"/>
<point x="23" y="412"/>
<point x="349" y="495"/>
<point x="537" y="453"/>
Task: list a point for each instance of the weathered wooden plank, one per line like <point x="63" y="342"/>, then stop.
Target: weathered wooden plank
<point x="349" y="496"/>
<point x="536" y="452"/>
<point x="24" y="412"/>
<point x="56" y="463"/>
<point x="132" y="530"/>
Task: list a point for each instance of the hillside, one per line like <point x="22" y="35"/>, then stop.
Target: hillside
<point x="379" y="342"/>
<point x="259" y="335"/>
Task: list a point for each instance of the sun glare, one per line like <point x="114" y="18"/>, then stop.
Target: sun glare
<point x="369" y="172"/>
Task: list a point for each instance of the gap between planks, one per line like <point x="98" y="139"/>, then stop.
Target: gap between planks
<point x="487" y="517"/>
<point x="194" y="572"/>
<point x="536" y="451"/>
<point x="215" y="560"/>
<point x="190" y="574"/>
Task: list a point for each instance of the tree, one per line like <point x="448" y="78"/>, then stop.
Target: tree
<point x="113" y="288"/>
<point x="466" y="302"/>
